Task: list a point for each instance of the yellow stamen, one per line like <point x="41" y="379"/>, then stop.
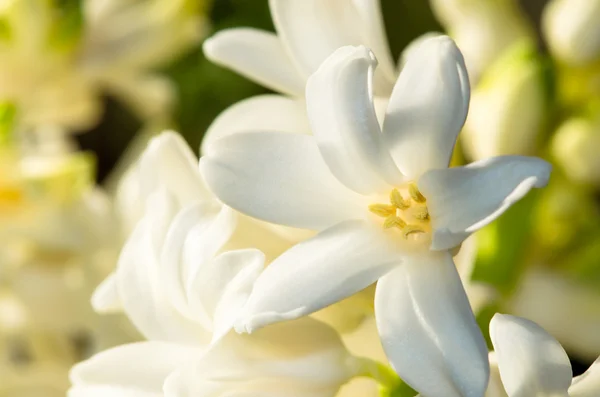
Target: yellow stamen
<point x="383" y="210"/>
<point x="411" y="229"/>
<point x="415" y="193"/>
<point x="397" y="200"/>
<point x="421" y="214"/>
<point x="393" y="221"/>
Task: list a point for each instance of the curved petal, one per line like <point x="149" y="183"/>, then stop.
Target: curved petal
<point x="462" y="200"/>
<point x="106" y="296"/>
<point x="340" y="108"/>
<point x="112" y="391"/>
<point x="428" y="330"/>
<point x="313" y="274"/>
<point x="262" y="113"/>
<point x="588" y="384"/>
<point x="143" y="294"/>
<point x="137" y="367"/>
<point x="194" y="238"/>
<point x="531" y="361"/>
<point x="257" y="55"/>
<point x="280" y="178"/>
<point x="313" y="29"/>
<point x="169" y="163"/>
<point x="295" y="358"/>
<point x="221" y="288"/>
<point x="428" y="107"/>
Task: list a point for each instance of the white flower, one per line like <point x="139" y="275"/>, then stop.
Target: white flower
<point x="54" y="66"/>
<point x="386" y="206"/>
<point x="308" y="31"/>
<point x="182" y="289"/>
<point x="533" y="364"/>
<point x="572" y="31"/>
<point x="169" y="180"/>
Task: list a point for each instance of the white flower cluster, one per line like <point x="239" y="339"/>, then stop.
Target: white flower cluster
<point x="303" y="200"/>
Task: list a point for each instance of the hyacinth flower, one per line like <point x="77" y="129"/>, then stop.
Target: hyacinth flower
<point x="385" y="206"/>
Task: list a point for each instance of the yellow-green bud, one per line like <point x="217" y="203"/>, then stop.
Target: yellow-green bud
<point x="508" y="106"/>
<point x="572" y="30"/>
<point x="482" y="29"/>
<point x="575" y="148"/>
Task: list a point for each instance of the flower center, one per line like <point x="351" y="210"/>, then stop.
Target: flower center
<point x="407" y="211"/>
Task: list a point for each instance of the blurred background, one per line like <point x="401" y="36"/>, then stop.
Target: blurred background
<point x="85" y="83"/>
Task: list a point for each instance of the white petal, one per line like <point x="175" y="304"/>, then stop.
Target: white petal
<point x="143" y="294"/>
<point x="280" y="178"/>
<point x="428" y="330"/>
<point x="428" y="107"/>
<point x="221" y="288"/>
<point x="313" y="29"/>
<point x="340" y="108"/>
<point x="262" y="113"/>
<point x="193" y="240"/>
<point x="137" y="367"/>
<point x="462" y="200"/>
<point x="588" y="384"/>
<point x="531" y="361"/>
<point x="106" y="296"/>
<point x="327" y="268"/>
<point x="296" y="358"/>
<point x="258" y="55"/>
<point x="169" y="163"/>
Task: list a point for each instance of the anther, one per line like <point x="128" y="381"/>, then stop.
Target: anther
<point x="397" y="200"/>
<point x="383" y="210"/>
<point x="421" y="214"/>
<point x="411" y="229"/>
<point x="415" y="193"/>
<point x="393" y="221"/>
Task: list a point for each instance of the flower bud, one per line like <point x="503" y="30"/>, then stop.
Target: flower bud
<point x="575" y="148"/>
<point x="482" y="29"/>
<point x="507" y="106"/>
<point x="572" y="30"/>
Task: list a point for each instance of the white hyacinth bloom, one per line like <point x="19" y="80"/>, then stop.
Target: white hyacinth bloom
<point x="386" y="207"/>
<point x="182" y="289"/>
<point x="308" y="31"/>
<point x="168" y="178"/>
<point x="533" y="364"/>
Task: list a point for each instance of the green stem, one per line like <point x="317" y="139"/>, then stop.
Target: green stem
<point x="383" y="374"/>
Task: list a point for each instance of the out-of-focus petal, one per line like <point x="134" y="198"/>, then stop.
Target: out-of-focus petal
<point x="531" y="361"/>
<point x="280" y="178"/>
<point x="428" y="107"/>
<point x="262" y="113"/>
<point x="106" y="296"/>
<point x="194" y="238"/>
<point x="329" y="267"/>
<point x="258" y="55"/>
<point x="135" y="368"/>
<point x="298" y="358"/>
<point x="340" y="108"/>
<point x="169" y="163"/>
<point x="588" y="384"/>
<point x="462" y="200"/>
<point x="428" y="330"/>
<point x="313" y="29"/>
<point x="222" y="287"/>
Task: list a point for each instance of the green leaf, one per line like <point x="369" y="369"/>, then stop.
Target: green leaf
<point x="503" y="245"/>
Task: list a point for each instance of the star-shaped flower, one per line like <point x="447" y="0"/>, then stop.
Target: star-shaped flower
<point x="386" y="207"/>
